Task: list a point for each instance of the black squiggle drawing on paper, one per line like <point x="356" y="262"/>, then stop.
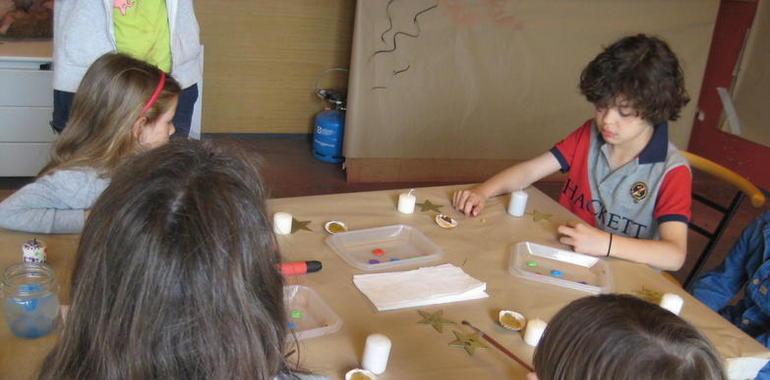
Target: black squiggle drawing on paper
<point x="390" y="21"/>
<point x="395" y="35"/>
<point x="396" y="72"/>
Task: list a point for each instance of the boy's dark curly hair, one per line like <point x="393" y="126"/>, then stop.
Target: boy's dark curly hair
<point x="640" y="70"/>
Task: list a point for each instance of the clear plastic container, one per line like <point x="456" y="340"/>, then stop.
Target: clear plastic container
<point x="30" y="303"/>
<point x="384" y="247"/>
<point x="309" y="316"/>
<point x="558" y="267"/>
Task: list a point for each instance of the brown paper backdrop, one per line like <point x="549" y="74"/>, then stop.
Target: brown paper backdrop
<point x="752" y="90"/>
<point x="262" y="58"/>
<point x="497" y="79"/>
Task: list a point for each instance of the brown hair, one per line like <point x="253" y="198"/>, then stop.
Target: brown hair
<point x="640" y="70"/>
<point x="176" y="276"/>
<point x="621" y="337"/>
<point x="107" y="103"/>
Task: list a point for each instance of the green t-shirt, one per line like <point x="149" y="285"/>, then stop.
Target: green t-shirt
<point x="142" y="31"/>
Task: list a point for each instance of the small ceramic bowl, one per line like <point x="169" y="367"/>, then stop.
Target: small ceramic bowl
<point x="445" y="221"/>
<point x="511" y="320"/>
<point x="360" y="374"/>
<point x="335" y="227"/>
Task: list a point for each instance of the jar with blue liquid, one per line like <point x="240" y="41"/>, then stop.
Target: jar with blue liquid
<point x="30" y="302"/>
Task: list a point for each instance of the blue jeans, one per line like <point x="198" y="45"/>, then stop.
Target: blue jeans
<point x="62" y="102"/>
<point x="764" y="373"/>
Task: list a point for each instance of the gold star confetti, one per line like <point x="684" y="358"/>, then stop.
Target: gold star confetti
<point x="649" y="295"/>
<point x="538" y="216"/>
<point x="468" y="342"/>
<point x="428" y="206"/>
<point x="435" y="320"/>
<point x="297" y="225"/>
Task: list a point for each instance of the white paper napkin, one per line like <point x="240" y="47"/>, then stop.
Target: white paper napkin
<point x="425" y="286"/>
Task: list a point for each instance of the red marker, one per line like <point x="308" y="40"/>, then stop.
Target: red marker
<point x="299" y="267"/>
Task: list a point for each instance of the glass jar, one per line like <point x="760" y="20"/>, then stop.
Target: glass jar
<point x="30" y="303"/>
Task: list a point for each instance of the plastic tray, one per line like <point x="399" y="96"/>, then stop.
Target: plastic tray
<point x="398" y="245"/>
<point x="316" y="319"/>
<point x="578" y="271"/>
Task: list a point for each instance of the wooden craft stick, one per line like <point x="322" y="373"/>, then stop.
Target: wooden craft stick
<point x="500" y="347"/>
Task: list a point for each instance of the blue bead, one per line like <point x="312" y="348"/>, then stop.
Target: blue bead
<point x="556" y="273"/>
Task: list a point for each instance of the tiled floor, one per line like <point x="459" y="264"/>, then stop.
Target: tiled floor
<point x="290" y="170"/>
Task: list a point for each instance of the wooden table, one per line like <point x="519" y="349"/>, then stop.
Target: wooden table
<point x="481" y="246"/>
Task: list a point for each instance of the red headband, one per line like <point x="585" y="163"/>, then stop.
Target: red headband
<point x="156" y="93"/>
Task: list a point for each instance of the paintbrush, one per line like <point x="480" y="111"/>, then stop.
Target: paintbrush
<point x="500" y="347"/>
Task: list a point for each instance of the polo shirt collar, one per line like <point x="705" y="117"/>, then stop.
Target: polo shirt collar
<point x="655" y="150"/>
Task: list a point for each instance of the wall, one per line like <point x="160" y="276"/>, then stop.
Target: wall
<point x="752" y="90"/>
<point x="747" y="158"/>
<point x="492" y="80"/>
<point x="262" y="58"/>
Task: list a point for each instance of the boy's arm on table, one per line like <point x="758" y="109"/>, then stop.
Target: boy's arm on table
<point x="668" y="253"/>
<point x="516" y="177"/>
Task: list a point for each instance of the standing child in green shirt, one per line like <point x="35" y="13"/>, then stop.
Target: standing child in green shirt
<point x="163" y="33"/>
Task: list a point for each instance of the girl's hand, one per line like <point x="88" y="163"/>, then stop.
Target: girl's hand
<point x="469" y="202"/>
<point x="585" y="239"/>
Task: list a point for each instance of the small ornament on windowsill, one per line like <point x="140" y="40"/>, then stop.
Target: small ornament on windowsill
<point x="34" y="251"/>
<point x="435" y="319"/>
<point x="429" y="206"/>
<point x="468" y="342"/>
<point x="297" y="225"/>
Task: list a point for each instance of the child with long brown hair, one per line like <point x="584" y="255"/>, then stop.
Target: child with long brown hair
<point x="621" y="337"/>
<point x="123" y="106"/>
<point x="176" y="276"/>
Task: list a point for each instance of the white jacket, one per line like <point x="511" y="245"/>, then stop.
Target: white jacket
<point x="83" y="32"/>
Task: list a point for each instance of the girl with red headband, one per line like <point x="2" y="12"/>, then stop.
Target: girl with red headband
<point x="123" y="106"/>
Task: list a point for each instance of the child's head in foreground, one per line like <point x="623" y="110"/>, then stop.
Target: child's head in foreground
<point x="176" y="275"/>
<point x="639" y="76"/>
<point x="123" y="105"/>
<point x="622" y="337"/>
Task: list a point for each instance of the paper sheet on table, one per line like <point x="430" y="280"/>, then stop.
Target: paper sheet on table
<point x="425" y="286"/>
<point x="744" y="368"/>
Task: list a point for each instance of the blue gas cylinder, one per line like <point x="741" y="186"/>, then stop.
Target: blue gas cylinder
<point x="327" y="136"/>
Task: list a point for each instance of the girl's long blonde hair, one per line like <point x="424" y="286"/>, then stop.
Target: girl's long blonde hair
<point x="107" y="103"/>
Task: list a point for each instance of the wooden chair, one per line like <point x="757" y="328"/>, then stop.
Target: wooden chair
<point x="744" y="189"/>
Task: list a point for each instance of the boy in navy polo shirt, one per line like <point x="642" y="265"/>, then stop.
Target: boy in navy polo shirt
<point x="625" y="180"/>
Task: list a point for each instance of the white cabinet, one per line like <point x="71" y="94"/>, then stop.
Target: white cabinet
<point x="26" y="103"/>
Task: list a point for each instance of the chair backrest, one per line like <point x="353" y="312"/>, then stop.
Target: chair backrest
<point x="744" y="189"/>
<point x="755" y="195"/>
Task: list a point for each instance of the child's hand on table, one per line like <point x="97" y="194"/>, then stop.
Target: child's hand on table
<point x="584" y="238"/>
<point x="469" y="202"/>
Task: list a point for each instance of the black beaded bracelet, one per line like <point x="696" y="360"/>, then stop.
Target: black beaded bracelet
<point x="609" y="248"/>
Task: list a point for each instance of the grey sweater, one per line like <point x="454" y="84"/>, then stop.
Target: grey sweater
<point x="83" y="31"/>
<point x="54" y="203"/>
